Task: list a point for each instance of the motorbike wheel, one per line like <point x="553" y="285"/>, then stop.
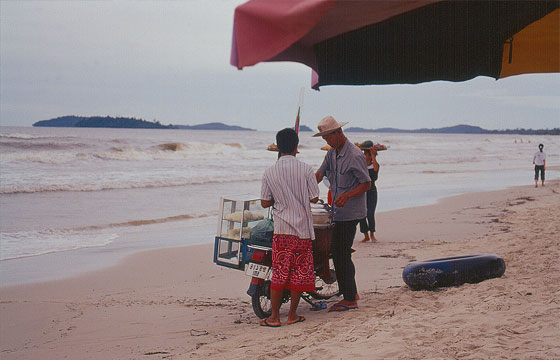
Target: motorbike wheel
<point x="261" y="301"/>
<point x="326" y="289"/>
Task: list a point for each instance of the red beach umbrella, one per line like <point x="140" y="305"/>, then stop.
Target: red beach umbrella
<point x="363" y="42"/>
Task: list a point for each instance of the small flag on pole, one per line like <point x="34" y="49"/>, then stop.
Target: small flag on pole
<point x="296" y="128"/>
<point x="297" y="122"/>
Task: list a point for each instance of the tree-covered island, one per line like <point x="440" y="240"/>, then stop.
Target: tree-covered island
<point x="126" y="123"/>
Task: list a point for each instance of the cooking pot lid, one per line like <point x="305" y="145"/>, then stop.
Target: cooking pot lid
<point x="320" y="207"/>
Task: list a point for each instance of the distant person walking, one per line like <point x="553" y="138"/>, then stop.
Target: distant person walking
<point x="540" y="164"/>
<point x="368" y="223"/>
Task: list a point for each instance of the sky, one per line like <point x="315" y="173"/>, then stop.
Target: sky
<point x="169" y="61"/>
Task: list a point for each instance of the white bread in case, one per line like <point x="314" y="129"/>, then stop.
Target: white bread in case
<point x="234" y="233"/>
<point x="247" y="216"/>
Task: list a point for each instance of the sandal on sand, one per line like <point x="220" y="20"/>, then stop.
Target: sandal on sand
<point x="340" y="307"/>
<point x="265" y="323"/>
<point x="299" y="319"/>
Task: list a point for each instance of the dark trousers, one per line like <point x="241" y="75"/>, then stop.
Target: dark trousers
<point x="342" y="241"/>
<point x="368" y="223"/>
<point x="541" y="169"/>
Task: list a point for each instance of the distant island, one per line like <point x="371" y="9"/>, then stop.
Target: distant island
<point x="127" y="123"/>
<point x="210" y="126"/>
<point x="460" y="129"/>
<point x="133" y="123"/>
<point x="100" y="122"/>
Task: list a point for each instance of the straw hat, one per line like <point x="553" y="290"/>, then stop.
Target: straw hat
<point x="327" y="125"/>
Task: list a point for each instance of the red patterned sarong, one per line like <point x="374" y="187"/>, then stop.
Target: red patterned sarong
<point x="292" y="263"/>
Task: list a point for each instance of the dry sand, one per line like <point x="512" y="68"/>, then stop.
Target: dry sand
<point x="176" y="304"/>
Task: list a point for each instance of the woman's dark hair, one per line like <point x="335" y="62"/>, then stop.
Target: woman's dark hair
<point x="287" y="140"/>
<point x="541" y="146"/>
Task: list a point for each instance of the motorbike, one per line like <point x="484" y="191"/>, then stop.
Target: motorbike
<point x="259" y="267"/>
<point x="244" y="242"/>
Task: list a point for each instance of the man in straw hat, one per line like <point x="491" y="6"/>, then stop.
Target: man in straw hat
<point x="345" y="168"/>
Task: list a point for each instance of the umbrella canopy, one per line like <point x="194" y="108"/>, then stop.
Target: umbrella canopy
<point x="364" y="42"/>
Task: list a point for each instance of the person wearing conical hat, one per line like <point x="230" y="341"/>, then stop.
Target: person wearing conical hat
<point x="368" y="223"/>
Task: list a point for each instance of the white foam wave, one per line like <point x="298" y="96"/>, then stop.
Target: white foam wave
<point x="43" y="157"/>
<point x="46" y="146"/>
<point x="32" y="243"/>
<point x="148" y="221"/>
<point x="20" y="136"/>
<point x="180" y="151"/>
<point x="113" y="185"/>
<point x="53" y="154"/>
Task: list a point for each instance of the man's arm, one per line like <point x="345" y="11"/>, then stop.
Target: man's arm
<point x="266" y="193"/>
<point x="343" y="198"/>
<point x="320" y="173"/>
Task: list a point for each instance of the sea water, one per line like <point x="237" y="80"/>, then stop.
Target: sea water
<point x="122" y="190"/>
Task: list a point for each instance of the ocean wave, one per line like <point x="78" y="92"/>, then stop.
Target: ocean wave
<point x="43" y="157"/>
<point x="61" y="152"/>
<point x="434" y="161"/>
<point x="37" y="188"/>
<point x="465" y="171"/>
<point x="146" y="221"/>
<point x="172" y="146"/>
<point x="20" y="136"/>
<point x="46" y="146"/>
<point x="179" y="151"/>
<point x="33" y="243"/>
<point x="21" y="244"/>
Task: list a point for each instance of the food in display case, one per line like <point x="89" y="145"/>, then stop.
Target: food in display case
<point x="238" y="215"/>
<point x="234" y="233"/>
<point x="245" y="215"/>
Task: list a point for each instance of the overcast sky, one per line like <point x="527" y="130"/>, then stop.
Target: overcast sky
<point x="169" y="61"/>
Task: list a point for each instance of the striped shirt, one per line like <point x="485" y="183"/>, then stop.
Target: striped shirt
<point x="291" y="184"/>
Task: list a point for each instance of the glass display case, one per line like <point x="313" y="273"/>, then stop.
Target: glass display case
<point x="238" y="214"/>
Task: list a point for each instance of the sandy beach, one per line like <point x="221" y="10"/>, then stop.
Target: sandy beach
<point x="176" y="304"/>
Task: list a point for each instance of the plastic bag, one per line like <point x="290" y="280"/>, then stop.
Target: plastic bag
<point x="261" y="234"/>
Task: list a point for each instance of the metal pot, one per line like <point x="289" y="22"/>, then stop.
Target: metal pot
<point x="322" y="215"/>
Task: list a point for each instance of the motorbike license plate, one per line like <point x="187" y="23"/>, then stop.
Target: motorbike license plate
<point x="257" y="270"/>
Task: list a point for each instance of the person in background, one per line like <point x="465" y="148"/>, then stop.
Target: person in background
<point x="539" y="160"/>
<point x="290" y="186"/>
<point x="345" y="167"/>
<point x="368" y="223"/>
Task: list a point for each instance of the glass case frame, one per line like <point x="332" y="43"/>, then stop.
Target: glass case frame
<point x="237" y="213"/>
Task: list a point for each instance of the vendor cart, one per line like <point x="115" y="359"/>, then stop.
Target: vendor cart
<point x="239" y="244"/>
